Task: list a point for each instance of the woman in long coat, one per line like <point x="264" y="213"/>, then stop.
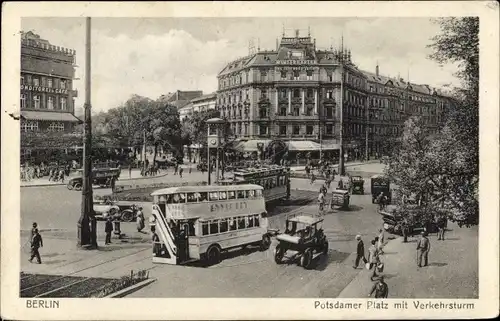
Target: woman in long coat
<point x="140" y="220"/>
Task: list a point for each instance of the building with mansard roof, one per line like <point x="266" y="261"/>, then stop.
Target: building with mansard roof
<point x="295" y="92"/>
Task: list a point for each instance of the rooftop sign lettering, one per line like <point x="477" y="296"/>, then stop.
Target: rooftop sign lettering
<point x="44" y="89"/>
<point x="295" y="62"/>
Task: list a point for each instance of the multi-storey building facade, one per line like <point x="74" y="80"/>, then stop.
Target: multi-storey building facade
<point x="47" y="96"/>
<point x="199" y="104"/>
<point x="295" y="93"/>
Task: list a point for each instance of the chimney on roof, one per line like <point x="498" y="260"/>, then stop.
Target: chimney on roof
<point x="314" y="43"/>
<point x="376" y="70"/>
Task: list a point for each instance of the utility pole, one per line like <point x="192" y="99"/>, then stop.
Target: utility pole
<point x="341" y="158"/>
<point x="87" y="236"/>
<point x="367" y="110"/>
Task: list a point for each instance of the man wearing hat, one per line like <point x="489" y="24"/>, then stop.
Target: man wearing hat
<point x="423" y="248"/>
<point x="360" y="252"/>
<point x="380" y="288"/>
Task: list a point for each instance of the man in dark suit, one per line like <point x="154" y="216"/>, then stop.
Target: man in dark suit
<point x="36" y="243"/>
<point x="108" y="229"/>
<point x="360" y="252"/>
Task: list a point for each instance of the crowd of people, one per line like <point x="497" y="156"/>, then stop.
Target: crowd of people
<point x="55" y="173"/>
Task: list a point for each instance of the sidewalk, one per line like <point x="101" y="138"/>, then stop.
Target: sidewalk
<point x="61" y="256"/>
<point x="348" y="164"/>
<point x="452" y="272"/>
<point x="44" y="181"/>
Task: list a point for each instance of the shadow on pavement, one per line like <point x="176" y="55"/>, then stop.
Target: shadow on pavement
<point x="451" y="239"/>
<point x="52" y="254"/>
<point x="438" y="264"/>
<point x="333" y="256"/>
<point x="352" y="208"/>
<point x="54" y="261"/>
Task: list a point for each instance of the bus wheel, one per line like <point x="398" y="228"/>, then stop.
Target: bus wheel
<point x="265" y="243"/>
<point x="213" y="255"/>
<point x="78" y="187"/>
<point x="306" y="258"/>
<point x="325" y="247"/>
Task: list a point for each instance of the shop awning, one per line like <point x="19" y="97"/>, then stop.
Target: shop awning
<point x="251" y="145"/>
<point x="330" y="146"/>
<point x="50" y="116"/>
<point x="302" y="145"/>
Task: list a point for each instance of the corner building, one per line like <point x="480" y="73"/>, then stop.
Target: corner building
<point x="47" y="96"/>
<point x="295" y="94"/>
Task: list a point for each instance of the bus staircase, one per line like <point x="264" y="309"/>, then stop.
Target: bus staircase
<point x="167" y="238"/>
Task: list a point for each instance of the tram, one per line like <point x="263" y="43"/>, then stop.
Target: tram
<point x="274" y="179"/>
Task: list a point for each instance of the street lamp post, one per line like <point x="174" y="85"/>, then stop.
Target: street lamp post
<point x="341" y="158"/>
<point x="87" y="236"/>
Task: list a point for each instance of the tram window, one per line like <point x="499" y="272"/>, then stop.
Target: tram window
<point x="282" y="180"/>
<point x="223" y="196"/>
<point x="214" y="196"/>
<point x="258" y="193"/>
<point x="214" y="227"/>
<point x="242" y="194"/>
<point x="202" y="197"/>
<point x="223" y="225"/>
<point x="192" y="197"/>
<point x="273" y="182"/>
<point x="256" y="219"/>
<point x="257" y="182"/>
<point x="232" y="224"/>
<point x="231" y="195"/>
<point x="241" y="223"/>
<point x="251" y="193"/>
<point x="250" y="220"/>
<point x="176" y="199"/>
<point x="204" y="228"/>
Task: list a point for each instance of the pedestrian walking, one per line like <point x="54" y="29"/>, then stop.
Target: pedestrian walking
<point x="190" y="168"/>
<point x="176" y="168"/>
<point x="381" y="240"/>
<point x="405" y="230"/>
<point x="308" y="171"/>
<point x="130" y="170"/>
<point x="36" y="243"/>
<point x="441" y="227"/>
<point x="140" y="219"/>
<point x="113" y="184"/>
<point x="373" y="258"/>
<point x="35" y="226"/>
<point x="108" y="228"/>
<point x="380" y="288"/>
<point x="181" y="170"/>
<point x="313" y="178"/>
<point x="156" y="242"/>
<point x="360" y="252"/>
<point x="423" y="248"/>
<point x="321" y="201"/>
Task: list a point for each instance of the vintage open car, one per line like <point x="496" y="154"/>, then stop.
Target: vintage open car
<point x="358" y="185"/>
<point x="304" y="237"/>
<point x="341" y="198"/>
<point x="118" y="212"/>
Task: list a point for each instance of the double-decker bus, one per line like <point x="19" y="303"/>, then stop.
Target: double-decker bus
<point x="274" y="179"/>
<point x="200" y="222"/>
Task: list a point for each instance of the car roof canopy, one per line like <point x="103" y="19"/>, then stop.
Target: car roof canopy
<point x="309" y="220"/>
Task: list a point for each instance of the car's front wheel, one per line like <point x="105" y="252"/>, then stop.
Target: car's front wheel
<point x="279" y="252"/>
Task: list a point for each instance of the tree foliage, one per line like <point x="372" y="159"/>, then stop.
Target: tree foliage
<point x="140" y="116"/>
<point x="443" y="170"/>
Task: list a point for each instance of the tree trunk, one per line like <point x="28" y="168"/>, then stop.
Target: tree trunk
<point x="154" y="155"/>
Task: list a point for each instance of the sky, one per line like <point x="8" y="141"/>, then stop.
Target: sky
<point x="155" y="56"/>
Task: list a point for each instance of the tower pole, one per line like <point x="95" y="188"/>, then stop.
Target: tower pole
<point x="86" y="235"/>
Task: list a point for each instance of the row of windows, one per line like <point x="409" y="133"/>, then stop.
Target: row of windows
<point x="44" y="81"/>
<point x="32" y="126"/>
<point x="238" y="128"/>
<point x="38" y="103"/>
<point x="182" y="198"/>
<point x="229" y="224"/>
<point x="269" y="182"/>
